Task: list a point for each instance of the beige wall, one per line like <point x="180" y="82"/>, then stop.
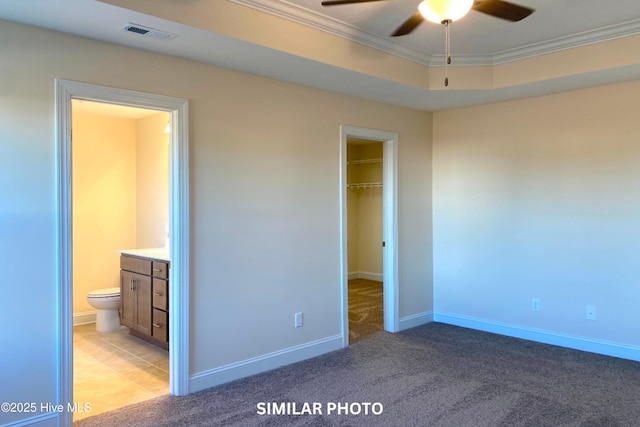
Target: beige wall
<point x="539" y="198"/>
<point x="120" y="195"/>
<point x="264" y="175"/>
<point x="353" y="259"/>
<point x="152" y="181"/>
<point x="104" y="201"/>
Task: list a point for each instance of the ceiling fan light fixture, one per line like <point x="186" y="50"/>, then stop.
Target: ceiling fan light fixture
<point x="439" y="11"/>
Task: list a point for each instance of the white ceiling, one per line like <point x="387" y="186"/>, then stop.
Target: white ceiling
<point x="477" y="40"/>
<point x="477" y="37"/>
<point x="112" y="110"/>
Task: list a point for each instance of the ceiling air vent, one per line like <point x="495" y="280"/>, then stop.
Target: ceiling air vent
<point x="148" y="32"/>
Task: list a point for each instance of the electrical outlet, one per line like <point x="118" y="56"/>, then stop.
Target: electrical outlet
<point x="297" y="320"/>
<point x="591" y="312"/>
<point x="535" y="304"/>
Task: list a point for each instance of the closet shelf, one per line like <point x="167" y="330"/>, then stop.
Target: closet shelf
<point x="363" y="161"/>
<point x="364" y="185"/>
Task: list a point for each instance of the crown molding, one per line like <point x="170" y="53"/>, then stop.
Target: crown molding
<point x="309" y="18"/>
<point x="585" y="38"/>
<point x="301" y="15"/>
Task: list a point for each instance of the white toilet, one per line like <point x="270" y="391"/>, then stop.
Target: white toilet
<point x="107" y="301"/>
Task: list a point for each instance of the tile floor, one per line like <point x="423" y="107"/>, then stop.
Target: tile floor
<point x="114" y="369"/>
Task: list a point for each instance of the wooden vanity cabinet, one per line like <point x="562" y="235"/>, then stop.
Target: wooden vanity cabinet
<point x="144" y="298"/>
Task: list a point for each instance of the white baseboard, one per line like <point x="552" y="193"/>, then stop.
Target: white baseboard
<point x="256" y="365"/>
<point x="414" y="320"/>
<point x="42" y="420"/>
<point x="234" y="371"/>
<point x="606" y="348"/>
<point x="84" y="317"/>
<point x="365" y="275"/>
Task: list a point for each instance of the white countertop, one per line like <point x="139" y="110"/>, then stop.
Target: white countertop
<point x="155" y="253"/>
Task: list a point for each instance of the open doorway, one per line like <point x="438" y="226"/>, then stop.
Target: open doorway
<point x="120" y="202"/>
<point x="368" y="227"/>
<point x="364" y="237"/>
<point x="178" y="227"/>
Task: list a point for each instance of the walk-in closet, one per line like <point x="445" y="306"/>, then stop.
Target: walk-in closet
<point x="364" y="237"/>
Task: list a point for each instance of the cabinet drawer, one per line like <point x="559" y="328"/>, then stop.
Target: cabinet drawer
<point x="137" y="265"/>
<point x="160" y="269"/>
<point x="160" y="326"/>
<point x="160" y="295"/>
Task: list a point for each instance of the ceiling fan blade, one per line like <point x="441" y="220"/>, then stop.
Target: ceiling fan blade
<point x="338" y="2"/>
<point x="502" y="9"/>
<point x="409" y="25"/>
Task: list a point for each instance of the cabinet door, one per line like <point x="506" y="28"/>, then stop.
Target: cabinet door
<point x="135" y="301"/>
<point x="128" y="300"/>
<point x="142" y="285"/>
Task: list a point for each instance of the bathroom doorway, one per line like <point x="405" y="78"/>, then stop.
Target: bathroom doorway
<point x="175" y="110"/>
<point x="368" y="184"/>
<point x="120" y="187"/>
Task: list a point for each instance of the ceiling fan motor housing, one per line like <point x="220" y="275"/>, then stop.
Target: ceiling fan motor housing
<point x="447" y="11"/>
<point x="441" y="11"/>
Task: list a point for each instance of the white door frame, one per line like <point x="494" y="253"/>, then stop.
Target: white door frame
<point x="389" y="225"/>
<point x="178" y="225"/>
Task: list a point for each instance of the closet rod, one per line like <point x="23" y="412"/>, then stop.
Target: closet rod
<point x="364" y="161"/>
<point x="364" y="185"/>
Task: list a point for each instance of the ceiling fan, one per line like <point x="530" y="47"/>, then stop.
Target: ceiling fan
<point x="446" y="11"/>
<point x="440" y="11"/>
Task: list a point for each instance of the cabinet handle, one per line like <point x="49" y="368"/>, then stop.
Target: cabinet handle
<point x="158" y="294"/>
<point x="157" y="325"/>
<point x="130" y="284"/>
<point x="157" y="270"/>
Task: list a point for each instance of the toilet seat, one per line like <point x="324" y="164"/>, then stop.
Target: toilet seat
<point x="104" y="293"/>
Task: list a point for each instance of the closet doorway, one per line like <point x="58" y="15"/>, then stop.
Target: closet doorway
<point x="364" y="237"/>
<point x="369" y="233"/>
